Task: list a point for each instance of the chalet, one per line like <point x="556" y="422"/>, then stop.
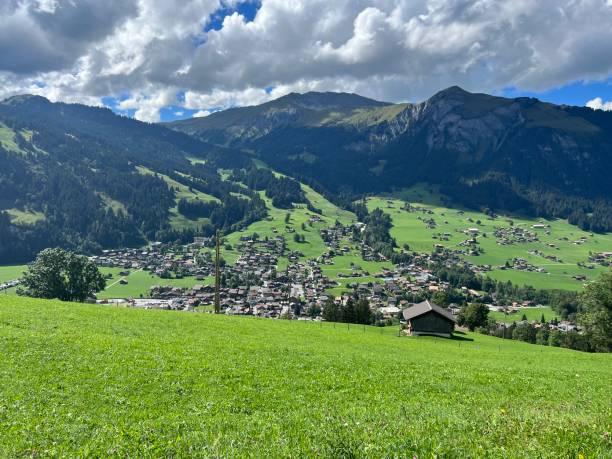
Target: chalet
<point x="426" y="318"/>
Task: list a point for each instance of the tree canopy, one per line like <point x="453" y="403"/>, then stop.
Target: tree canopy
<point x="596" y="315"/>
<point x="57" y="273"/>
<point x="474" y="315"/>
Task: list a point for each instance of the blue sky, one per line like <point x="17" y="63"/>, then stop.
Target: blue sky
<point x="577" y="93"/>
<point x="247" y="9"/>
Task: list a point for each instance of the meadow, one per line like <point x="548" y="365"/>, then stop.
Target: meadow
<point x="140" y="282"/>
<point x="103" y="381"/>
<point x="299" y="217"/>
<point x="409" y="229"/>
<point x="532" y="314"/>
<point x="11" y="272"/>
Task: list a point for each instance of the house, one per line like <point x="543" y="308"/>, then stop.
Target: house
<point x="426" y="318"/>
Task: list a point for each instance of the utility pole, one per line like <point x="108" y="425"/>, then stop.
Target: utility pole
<point x="217" y="273"/>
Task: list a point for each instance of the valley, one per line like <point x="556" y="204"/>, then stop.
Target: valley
<point x="323" y="229"/>
<point x="307" y="216"/>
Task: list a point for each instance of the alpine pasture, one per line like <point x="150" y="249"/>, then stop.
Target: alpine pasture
<point x="410" y="228"/>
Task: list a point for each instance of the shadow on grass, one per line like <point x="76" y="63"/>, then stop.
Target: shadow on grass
<point x="460" y="336"/>
<point x="456" y="336"/>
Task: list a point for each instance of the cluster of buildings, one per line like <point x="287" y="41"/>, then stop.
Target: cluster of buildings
<point x="158" y="260"/>
<point x="509" y="235"/>
<point x="255" y="285"/>
<point x="9" y="284"/>
<point x="602" y="258"/>
<point x="520" y="264"/>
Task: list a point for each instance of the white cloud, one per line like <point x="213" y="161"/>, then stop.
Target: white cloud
<point x="147" y="103"/>
<point x="599" y="104"/>
<point x="47" y="6"/>
<point x="201" y="113"/>
<point x="387" y="49"/>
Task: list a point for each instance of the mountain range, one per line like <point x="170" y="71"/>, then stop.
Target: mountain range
<point x="455" y="138"/>
<point x="86" y="178"/>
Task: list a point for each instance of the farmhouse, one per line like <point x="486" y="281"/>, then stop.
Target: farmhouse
<point x="426" y="318"/>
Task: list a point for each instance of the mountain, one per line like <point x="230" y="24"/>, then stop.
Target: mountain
<point x="483" y="151"/>
<point x="87" y="179"/>
<point x="237" y="126"/>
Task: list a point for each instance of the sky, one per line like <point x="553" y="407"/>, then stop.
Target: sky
<point x="160" y="60"/>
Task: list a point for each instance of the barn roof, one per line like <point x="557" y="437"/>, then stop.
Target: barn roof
<point x="423" y="308"/>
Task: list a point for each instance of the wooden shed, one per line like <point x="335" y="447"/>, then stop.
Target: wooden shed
<point x="426" y="318"/>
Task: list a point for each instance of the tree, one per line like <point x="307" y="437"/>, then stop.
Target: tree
<point x="314" y="310"/>
<point x="363" y="314"/>
<point x="524" y="332"/>
<point x="542" y="336"/>
<point x="596" y="315"/>
<point x="57" y="273"/>
<point x="349" y="312"/>
<point x="332" y="312"/>
<point x="554" y="338"/>
<point x="474" y="315"/>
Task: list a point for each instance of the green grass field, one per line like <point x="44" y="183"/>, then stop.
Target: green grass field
<point x="24" y="217"/>
<point x="409" y="229"/>
<point x="7" y="138"/>
<point x="101" y="381"/>
<point x="11" y="272"/>
<point x="532" y="314"/>
<point x="140" y="282"/>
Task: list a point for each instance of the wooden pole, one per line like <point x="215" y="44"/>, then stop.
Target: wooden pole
<point x="217" y="274"/>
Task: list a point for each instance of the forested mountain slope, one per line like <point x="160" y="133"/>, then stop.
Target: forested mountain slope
<point x="520" y="155"/>
<point x="87" y="179"/>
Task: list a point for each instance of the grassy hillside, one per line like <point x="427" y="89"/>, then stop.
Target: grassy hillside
<point x="25" y="216"/>
<point x="139" y="283"/>
<point x="81" y="380"/>
<point x="532" y="314"/>
<point x="8" y="273"/>
<point x="410" y="228"/>
<point x="177" y="220"/>
<point x="275" y="225"/>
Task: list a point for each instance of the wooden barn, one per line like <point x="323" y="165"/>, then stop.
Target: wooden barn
<point x="426" y="318"/>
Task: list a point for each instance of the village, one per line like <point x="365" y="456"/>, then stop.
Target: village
<point x="255" y="285"/>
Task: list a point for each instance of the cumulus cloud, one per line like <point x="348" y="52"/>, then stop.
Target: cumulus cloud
<point x="599" y="104"/>
<point x="392" y="50"/>
<point x="201" y="113"/>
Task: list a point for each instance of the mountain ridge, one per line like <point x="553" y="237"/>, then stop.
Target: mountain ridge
<point x="514" y="152"/>
<point x="88" y="179"/>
